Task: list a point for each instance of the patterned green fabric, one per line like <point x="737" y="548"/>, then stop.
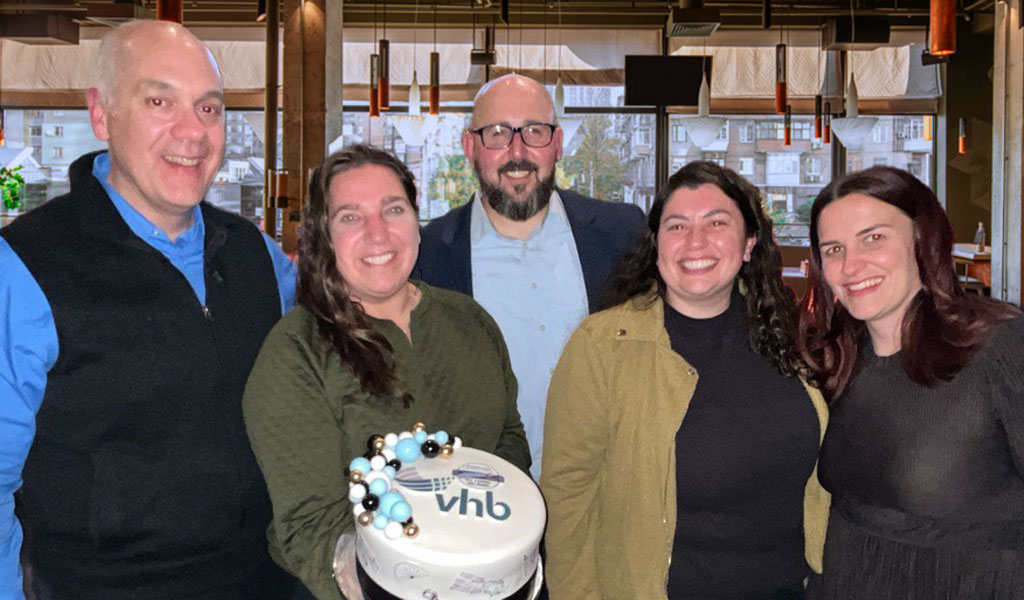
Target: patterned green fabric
<point x="307" y="416"/>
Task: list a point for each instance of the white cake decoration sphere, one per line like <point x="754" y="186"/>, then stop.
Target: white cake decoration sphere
<point x="356" y="493"/>
<point x="393" y="530"/>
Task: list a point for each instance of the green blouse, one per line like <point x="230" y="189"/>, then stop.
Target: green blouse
<point x="307" y="416"/>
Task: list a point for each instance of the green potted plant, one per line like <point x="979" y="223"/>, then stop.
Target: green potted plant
<point x="12" y="184"/>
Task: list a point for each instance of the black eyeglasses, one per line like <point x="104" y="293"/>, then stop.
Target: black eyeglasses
<point x="499" y="137"/>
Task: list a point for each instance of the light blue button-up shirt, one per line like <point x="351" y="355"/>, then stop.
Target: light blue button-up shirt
<point x="29" y="348"/>
<point x="534" y="289"/>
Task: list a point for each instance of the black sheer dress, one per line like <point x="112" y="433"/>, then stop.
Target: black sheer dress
<point x="928" y="483"/>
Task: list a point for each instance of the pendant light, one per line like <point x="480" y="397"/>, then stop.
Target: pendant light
<point x="853" y="128"/>
<point x="780" y="78"/>
<point x="384" y="64"/>
<point x="817" y="117"/>
<point x="818" y="98"/>
<point x="827" y="124"/>
<point x="780" y="75"/>
<point x="703" y="129"/>
<point x="942" y="27"/>
<point x="831" y="90"/>
<point x="435" y="73"/>
<point x="787" y="125"/>
<point x="374" y="92"/>
<point x="414" y="86"/>
<point x="961" y="142"/>
<point x="374" y="72"/>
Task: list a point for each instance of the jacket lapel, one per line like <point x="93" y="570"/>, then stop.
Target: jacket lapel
<point x="593" y="260"/>
<point x="456" y="241"/>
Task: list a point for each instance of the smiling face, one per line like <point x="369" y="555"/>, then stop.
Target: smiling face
<point x="868" y="260"/>
<point x="374" y="232"/>
<point x="515" y="181"/>
<point x="163" y="122"/>
<point x="702" y="243"/>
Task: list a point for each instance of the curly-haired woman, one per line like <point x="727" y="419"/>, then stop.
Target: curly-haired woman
<point x="680" y="440"/>
<point x="924" y="453"/>
<point x="365" y="351"/>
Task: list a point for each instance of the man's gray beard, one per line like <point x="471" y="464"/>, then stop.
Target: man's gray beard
<point x="517" y="210"/>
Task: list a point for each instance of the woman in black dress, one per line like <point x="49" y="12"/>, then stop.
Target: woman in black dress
<point x="924" y="453"/>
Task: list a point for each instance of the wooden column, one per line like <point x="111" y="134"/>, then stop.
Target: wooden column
<point x="1007" y="146"/>
<point x="303" y="105"/>
<point x="270" y="114"/>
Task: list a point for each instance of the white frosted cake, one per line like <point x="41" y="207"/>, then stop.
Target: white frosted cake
<point x="478" y="525"/>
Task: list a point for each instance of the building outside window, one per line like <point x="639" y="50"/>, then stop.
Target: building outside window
<point x="748" y="133"/>
<point x="880" y="133"/>
<point x="908" y="150"/>
<point x="678" y="133"/>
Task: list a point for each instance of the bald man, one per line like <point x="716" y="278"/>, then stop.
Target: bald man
<point x="535" y="257"/>
<point x="133" y="314"/>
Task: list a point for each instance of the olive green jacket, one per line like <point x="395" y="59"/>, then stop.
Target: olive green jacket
<point x="609" y="462"/>
<point x="307" y="416"/>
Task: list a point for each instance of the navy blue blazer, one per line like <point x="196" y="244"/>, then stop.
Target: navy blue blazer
<point x="604" y="231"/>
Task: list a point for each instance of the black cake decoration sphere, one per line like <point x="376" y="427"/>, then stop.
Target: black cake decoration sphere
<point x="430" y="448"/>
<point x="371" y="502"/>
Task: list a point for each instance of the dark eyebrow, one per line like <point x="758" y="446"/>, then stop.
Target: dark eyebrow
<point x="710" y="213"/>
<point x="217" y="95"/>
<point x="864" y="231"/>
<point x="387" y="202"/>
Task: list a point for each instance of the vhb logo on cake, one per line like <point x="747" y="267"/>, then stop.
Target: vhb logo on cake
<point x="477" y="475"/>
<point x="471" y="544"/>
<point x="498" y="511"/>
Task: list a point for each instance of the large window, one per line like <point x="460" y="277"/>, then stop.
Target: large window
<point x="44" y="143"/>
<point x="608" y="154"/>
<point x="788" y="176"/>
<point x="907" y="149"/>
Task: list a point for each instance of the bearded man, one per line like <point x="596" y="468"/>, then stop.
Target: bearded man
<point x="536" y="257"/>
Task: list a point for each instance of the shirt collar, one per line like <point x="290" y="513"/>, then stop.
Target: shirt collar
<point x="480" y="225"/>
<point x="140" y="225"/>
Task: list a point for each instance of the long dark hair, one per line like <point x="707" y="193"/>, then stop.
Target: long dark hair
<point x="325" y="293"/>
<point x="771" y="307"/>
<point x="943" y="325"/>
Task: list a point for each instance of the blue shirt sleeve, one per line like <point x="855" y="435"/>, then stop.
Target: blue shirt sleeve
<point x="28" y="349"/>
<point x="285" y="271"/>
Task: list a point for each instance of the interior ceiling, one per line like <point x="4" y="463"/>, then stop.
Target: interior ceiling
<point x="646" y="14"/>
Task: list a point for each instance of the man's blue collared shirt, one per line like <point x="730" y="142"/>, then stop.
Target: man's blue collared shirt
<point x="29" y="348"/>
<point x="534" y="289"/>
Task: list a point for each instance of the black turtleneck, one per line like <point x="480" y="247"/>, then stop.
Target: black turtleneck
<point x="745" y="449"/>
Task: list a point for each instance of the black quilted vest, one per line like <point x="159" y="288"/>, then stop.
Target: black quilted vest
<point x="140" y="482"/>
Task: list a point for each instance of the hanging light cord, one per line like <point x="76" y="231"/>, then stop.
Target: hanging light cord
<point x="559" y="38"/>
<point x="415" y="30"/>
<point x="435" y="25"/>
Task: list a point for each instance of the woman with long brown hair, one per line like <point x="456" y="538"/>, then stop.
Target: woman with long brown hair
<point x="680" y="441"/>
<point x="924" y="453"/>
<point x="365" y="350"/>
